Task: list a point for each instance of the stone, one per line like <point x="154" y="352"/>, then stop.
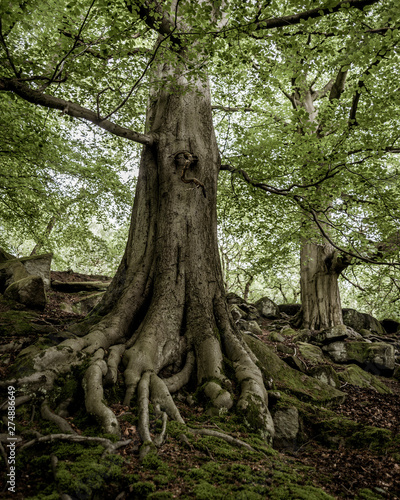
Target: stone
<point x="28" y="291"/>
<point x="236" y="312"/>
<point x="276" y="337"/>
<point x="5" y="255"/>
<point x="289" y="309"/>
<point x="285" y="349"/>
<point x="335" y="333"/>
<point x="87" y="303"/>
<point x="286" y="423"/>
<point x="295" y="363"/>
<point x="325" y="374"/>
<point x="287" y="331"/>
<point x="267" y="308"/>
<point x="311" y="353"/>
<point x="234" y="298"/>
<point x="39" y="265"/>
<point x="360" y="321"/>
<point x="292" y="381"/>
<point x="250" y="310"/>
<point x="254" y="327"/>
<point x="377" y="357"/>
<point x="11" y="271"/>
<point x="355" y="375"/>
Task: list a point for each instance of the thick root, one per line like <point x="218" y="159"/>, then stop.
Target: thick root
<point x="94" y="394"/>
<point x="180" y="379"/>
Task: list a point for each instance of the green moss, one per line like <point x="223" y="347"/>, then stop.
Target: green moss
<point x="298" y="492"/>
<point x="142" y="489"/>
<point x="160" y="495"/>
<point x="355" y="375"/>
<point x="206" y="491"/>
<point x="367" y="494"/>
<point x="292" y="381"/>
<point x="16" y="322"/>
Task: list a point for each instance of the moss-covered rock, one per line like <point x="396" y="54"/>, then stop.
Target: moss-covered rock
<point x="355" y="375"/>
<point x="29" y="291"/>
<point x="377" y="357"/>
<point x="287" y="379"/>
<point x="311" y="353"/>
<point x="325" y="374"/>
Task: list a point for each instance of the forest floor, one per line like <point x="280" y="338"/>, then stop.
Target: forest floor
<point x="207" y="468"/>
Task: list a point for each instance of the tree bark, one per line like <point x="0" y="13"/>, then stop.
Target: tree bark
<point x="320" y="270"/>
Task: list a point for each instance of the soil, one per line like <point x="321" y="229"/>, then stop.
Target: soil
<point x="336" y="469"/>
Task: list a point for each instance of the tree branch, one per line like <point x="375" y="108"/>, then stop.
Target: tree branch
<point x="71" y="109"/>
<point x="281" y="22"/>
<point x="338" y="87"/>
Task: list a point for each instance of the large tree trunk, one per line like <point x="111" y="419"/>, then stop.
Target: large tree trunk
<point x="320" y="297"/>
<point x="165" y="313"/>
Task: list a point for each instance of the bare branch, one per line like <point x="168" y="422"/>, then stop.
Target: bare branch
<point x="71" y="109"/>
<point x="338" y="87"/>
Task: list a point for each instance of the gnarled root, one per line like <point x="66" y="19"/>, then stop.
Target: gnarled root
<point x="94" y="394"/>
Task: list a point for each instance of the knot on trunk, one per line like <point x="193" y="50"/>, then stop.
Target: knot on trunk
<point x="184" y="159"/>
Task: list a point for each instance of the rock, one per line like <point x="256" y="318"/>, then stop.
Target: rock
<point x="289" y="309"/>
<point x="288" y="380"/>
<point x="287" y="331"/>
<point x="11" y="271"/>
<point x="303" y="336"/>
<point x="355" y="375"/>
<point x="286" y="423"/>
<point x="360" y="321"/>
<point x="236" y="312"/>
<point x="311" y="353"/>
<point x="325" y="374"/>
<point x="335" y="333"/>
<point x="28" y="291"/>
<point x="254" y="327"/>
<point x="38" y="265"/>
<point x="233" y="298"/>
<point x="295" y="363"/>
<point x="377" y="357"/>
<point x="86" y="304"/>
<point x="276" y="337"/>
<point x="250" y="310"/>
<point x="390" y="325"/>
<point x="285" y="349"/>
<point x="267" y="308"/>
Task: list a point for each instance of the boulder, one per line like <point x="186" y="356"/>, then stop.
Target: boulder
<point x="11" y="271"/>
<point x="355" y="375"/>
<point x="254" y="327"/>
<point x="335" y="333"/>
<point x="39" y="265"/>
<point x="236" y="312"/>
<point x="311" y="353"/>
<point x="359" y="321"/>
<point x="276" y="337"/>
<point x="234" y="298"/>
<point x="295" y="363"/>
<point x="286" y="423"/>
<point x="28" y="291"/>
<point x="250" y="310"/>
<point x="325" y="374"/>
<point x="377" y="358"/>
<point x="267" y="308"/>
<point x="289" y="309"/>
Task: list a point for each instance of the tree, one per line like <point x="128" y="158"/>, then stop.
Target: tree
<point x="338" y="137"/>
<point x="165" y="312"/>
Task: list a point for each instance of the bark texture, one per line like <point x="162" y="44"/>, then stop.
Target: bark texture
<point x="320" y="270"/>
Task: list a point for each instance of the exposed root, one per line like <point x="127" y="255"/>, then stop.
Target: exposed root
<point x="114" y="359"/>
<point x="143" y="401"/>
<point x="159" y="440"/>
<point x="226" y="437"/>
<point x="160" y="395"/>
<point x="20" y="400"/>
<point x="180" y="379"/>
<point x="61" y="423"/>
<point x="109" y="446"/>
<point x="93" y="386"/>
